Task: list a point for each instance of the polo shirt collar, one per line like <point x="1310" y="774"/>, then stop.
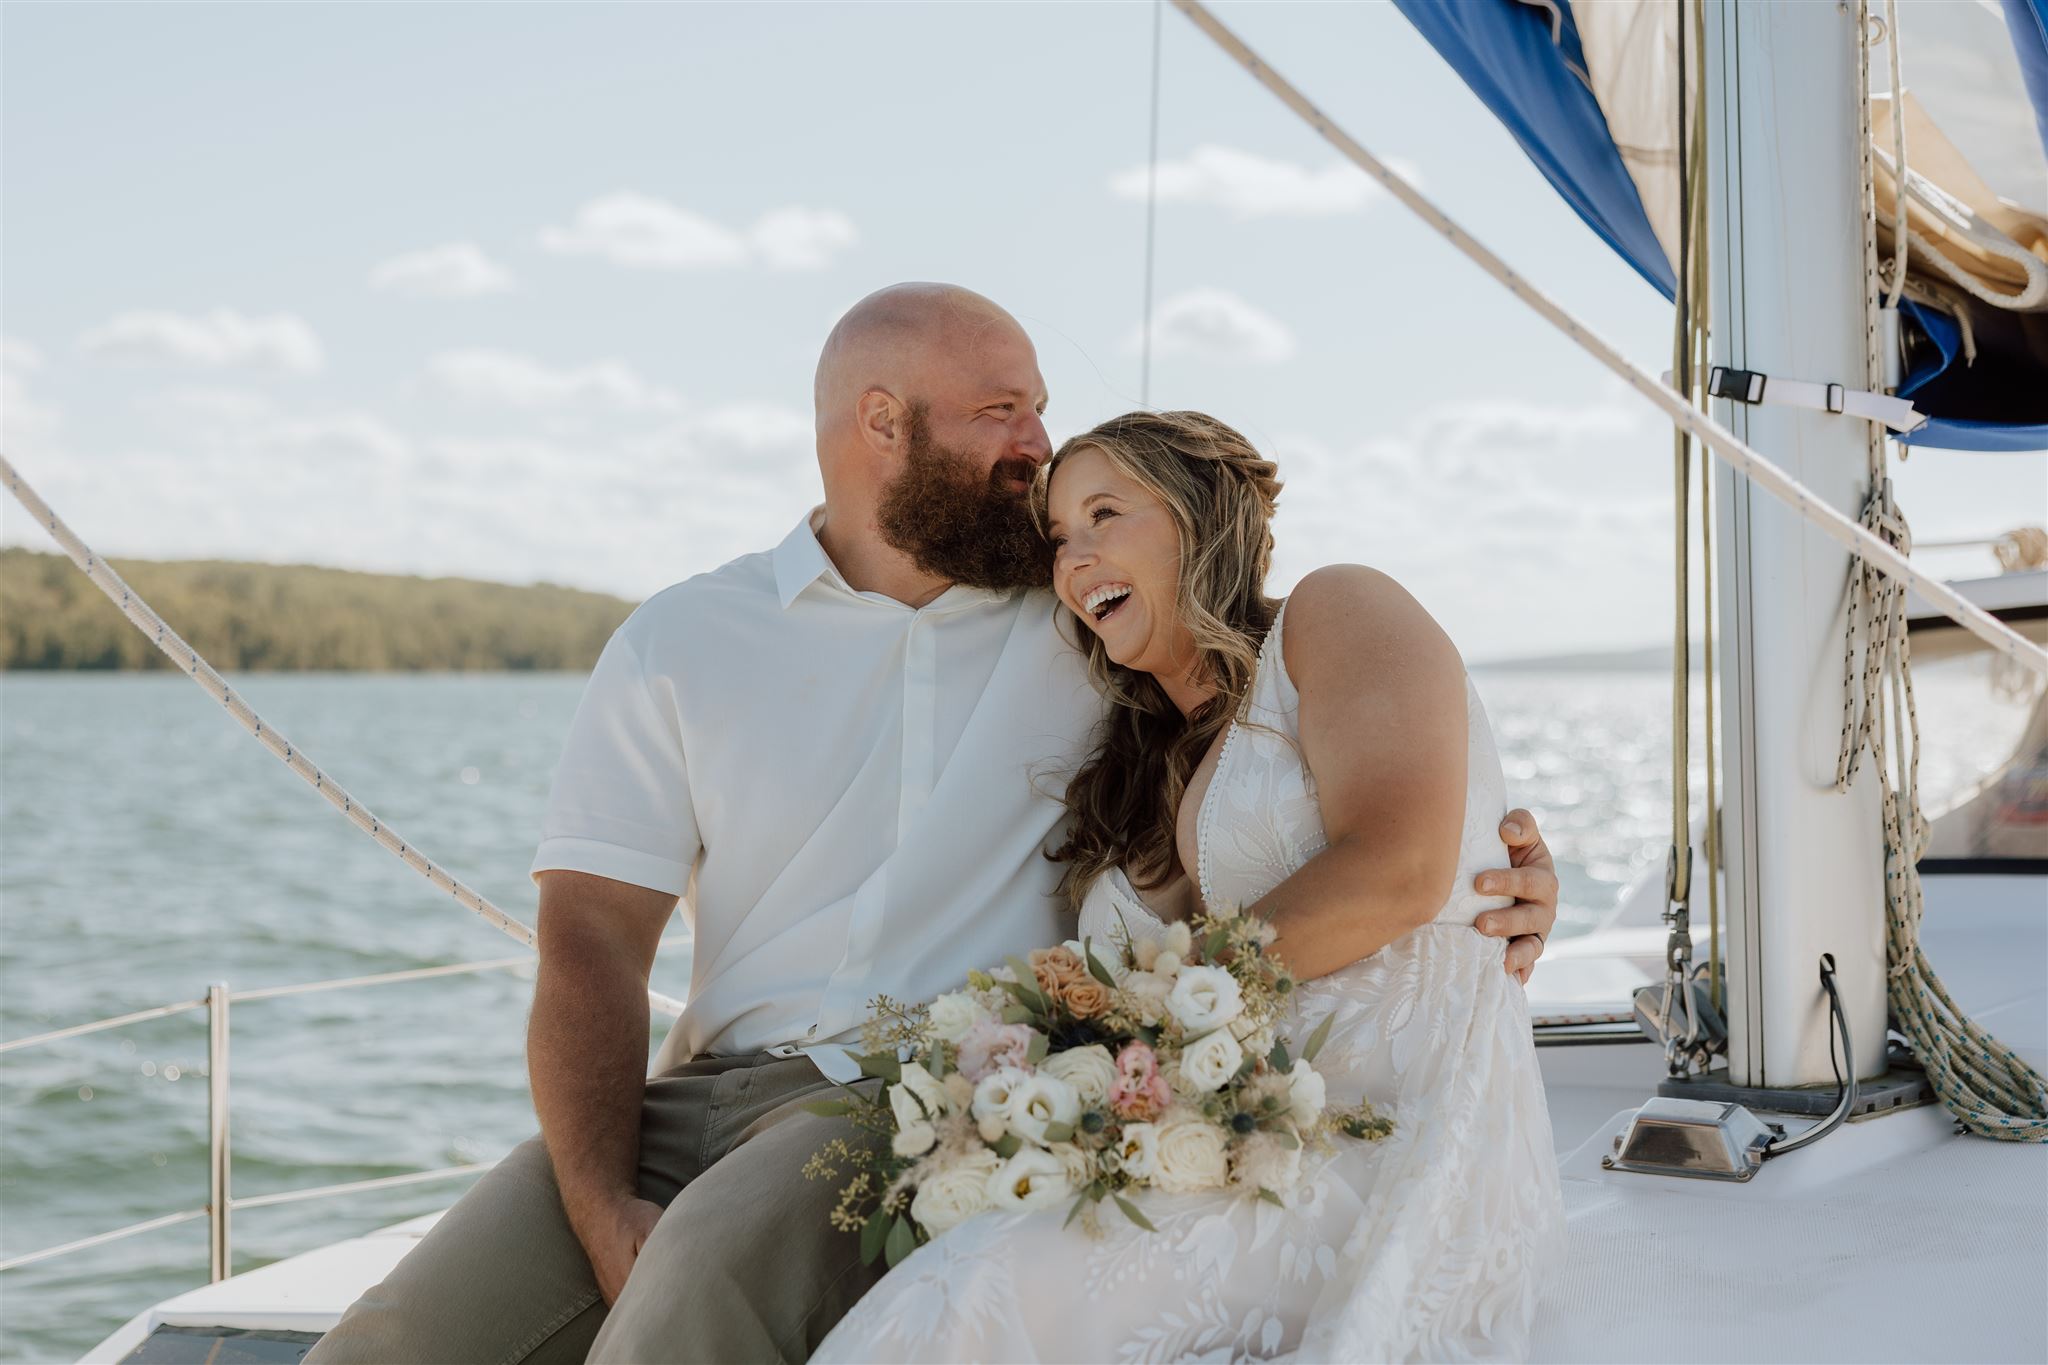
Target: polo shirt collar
<point x="800" y="560"/>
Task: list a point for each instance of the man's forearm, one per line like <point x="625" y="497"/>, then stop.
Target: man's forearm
<point x="586" y="1046"/>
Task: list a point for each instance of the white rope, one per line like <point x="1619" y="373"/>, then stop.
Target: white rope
<point x="144" y="619"/>
<point x="1989" y="1089"/>
<point x="1761" y="471"/>
<point x="1899" y="239"/>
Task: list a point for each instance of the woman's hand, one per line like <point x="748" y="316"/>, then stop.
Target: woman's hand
<point x="1531" y="878"/>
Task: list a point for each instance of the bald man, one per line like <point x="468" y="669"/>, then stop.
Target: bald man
<point x="835" y="754"/>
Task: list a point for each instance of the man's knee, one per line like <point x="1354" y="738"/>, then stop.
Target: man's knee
<point x="500" y="1278"/>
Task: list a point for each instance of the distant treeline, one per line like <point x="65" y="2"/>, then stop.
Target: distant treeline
<point x="295" y="617"/>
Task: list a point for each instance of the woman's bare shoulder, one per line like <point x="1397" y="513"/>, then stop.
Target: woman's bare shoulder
<point x="1352" y="620"/>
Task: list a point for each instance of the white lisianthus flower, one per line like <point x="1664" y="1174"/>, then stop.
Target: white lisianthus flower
<point x="1138" y="1151"/>
<point x="1089" y="1070"/>
<point x="1208" y="1063"/>
<point x="1205" y="998"/>
<point x="913" y="1139"/>
<point x="992" y="1096"/>
<point x="1039" y="1100"/>
<point x="1032" y="1179"/>
<point x="955" y="1194"/>
<point x="1194" y="1154"/>
<point x="1263" y="1162"/>
<point x="1147" y="994"/>
<point x="1078" y="1162"/>
<point x="952" y="1015"/>
<point x="1305" y="1094"/>
<point x="926" y="1088"/>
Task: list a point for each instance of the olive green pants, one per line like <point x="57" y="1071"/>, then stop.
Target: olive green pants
<point x="744" y="1265"/>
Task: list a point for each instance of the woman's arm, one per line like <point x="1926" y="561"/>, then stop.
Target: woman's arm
<point x="1383" y="732"/>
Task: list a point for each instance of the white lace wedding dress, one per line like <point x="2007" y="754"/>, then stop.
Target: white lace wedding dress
<point x="1432" y="1244"/>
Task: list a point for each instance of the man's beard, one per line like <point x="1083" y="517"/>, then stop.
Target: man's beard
<point x="959" y="525"/>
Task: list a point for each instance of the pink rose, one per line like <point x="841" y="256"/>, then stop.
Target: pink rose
<point x="989" y="1047"/>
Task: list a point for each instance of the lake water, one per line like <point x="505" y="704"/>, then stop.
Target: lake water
<point x="149" y="847"/>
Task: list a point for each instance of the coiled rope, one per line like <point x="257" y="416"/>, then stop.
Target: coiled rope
<point x="143" y="618"/>
<point x="1990" y="1090"/>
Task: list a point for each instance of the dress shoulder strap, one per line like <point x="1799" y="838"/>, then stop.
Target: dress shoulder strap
<point x="1274" y="701"/>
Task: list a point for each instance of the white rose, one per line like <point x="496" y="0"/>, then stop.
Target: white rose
<point x="1032" y="1179"/>
<point x="913" y="1139"/>
<point x="992" y="1096"/>
<point x="1208" y="1063"/>
<point x="1305" y="1094"/>
<point x="1089" y="1070"/>
<point x="1146" y="996"/>
<point x="1193" y="1155"/>
<point x="1205" y="998"/>
<point x="952" y="1015"/>
<point x="1077" y="1161"/>
<point x="1039" y="1100"/>
<point x="957" y="1193"/>
<point x="926" y="1088"/>
<point x="1264" y="1162"/>
<point x="1138" y="1151"/>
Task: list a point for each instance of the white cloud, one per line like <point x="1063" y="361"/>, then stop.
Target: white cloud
<point x="506" y="379"/>
<point x="221" y="339"/>
<point x="1215" y="324"/>
<point x="639" y="230"/>
<point x="459" y="270"/>
<point x="801" y="238"/>
<point x="1252" y="186"/>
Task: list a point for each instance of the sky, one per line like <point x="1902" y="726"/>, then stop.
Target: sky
<point x="534" y="293"/>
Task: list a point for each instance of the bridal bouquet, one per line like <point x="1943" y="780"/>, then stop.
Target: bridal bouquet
<point x="1082" y="1075"/>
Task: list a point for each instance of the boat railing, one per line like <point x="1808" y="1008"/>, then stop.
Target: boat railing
<point x="221" y="1205"/>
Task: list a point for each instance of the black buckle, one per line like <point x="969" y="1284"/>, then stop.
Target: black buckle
<point x="1836" y="395"/>
<point x="1744" y="386"/>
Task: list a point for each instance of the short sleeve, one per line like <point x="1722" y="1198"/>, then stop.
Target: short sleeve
<point x="620" y="806"/>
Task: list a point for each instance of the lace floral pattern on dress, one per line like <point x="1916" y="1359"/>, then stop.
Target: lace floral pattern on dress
<point x="1430" y="1245"/>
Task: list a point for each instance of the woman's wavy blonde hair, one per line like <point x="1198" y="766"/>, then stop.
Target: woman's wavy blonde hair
<point x="1220" y="493"/>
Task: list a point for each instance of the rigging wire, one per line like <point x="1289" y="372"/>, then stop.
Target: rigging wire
<point x="1151" y="207"/>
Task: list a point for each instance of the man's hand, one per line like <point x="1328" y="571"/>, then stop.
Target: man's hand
<point x="614" y="1243"/>
<point x="1531" y="879"/>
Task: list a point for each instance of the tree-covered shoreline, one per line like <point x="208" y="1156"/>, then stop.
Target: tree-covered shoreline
<point x="296" y="617"/>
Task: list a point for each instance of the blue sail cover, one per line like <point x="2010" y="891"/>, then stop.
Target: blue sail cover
<point x="1528" y="75"/>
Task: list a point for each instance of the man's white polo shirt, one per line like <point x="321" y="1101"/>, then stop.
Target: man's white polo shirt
<point x="852" y="796"/>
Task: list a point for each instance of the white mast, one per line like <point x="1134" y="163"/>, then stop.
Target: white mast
<point x="1804" y="864"/>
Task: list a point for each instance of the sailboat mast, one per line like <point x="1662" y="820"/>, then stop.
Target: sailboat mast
<point x="1804" y="864"/>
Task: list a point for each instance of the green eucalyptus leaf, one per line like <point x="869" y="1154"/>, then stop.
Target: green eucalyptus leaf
<point x="1059" y="1132"/>
<point x="1019" y="1014"/>
<point x="1039" y="1045"/>
<point x="1278" y="1058"/>
<point x="1095" y="967"/>
<point x="1213" y="944"/>
<point x="1131" y="1212"/>
<point x="1007" y="1145"/>
<point x="828" y="1109"/>
<point x="872" y="1234"/>
<point x="1318" y="1038"/>
<point x="1271" y="1198"/>
<point x="883" y="1066"/>
<point x="902" y="1240"/>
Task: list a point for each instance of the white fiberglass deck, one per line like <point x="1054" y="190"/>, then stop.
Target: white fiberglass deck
<point x="1890" y="1239"/>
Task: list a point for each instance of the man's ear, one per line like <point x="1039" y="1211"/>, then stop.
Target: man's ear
<point x="883" y="420"/>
